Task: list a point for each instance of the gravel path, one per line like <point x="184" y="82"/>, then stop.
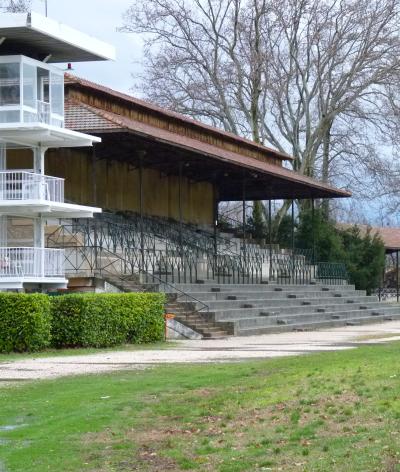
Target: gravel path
<point x="195" y="351"/>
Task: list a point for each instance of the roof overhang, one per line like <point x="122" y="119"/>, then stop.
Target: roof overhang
<point x="36" y="208"/>
<point x="40" y="134"/>
<point x="18" y="282"/>
<point x="37" y="36"/>
<point x="207" y="163"/>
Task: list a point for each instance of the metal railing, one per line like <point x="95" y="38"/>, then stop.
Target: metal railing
<point x="138" y="254"/>
<point x="24" y="185"/>
<point x="31" y="262"/>
<point x="98" y="261"/>
<point x="297" y="269"/>
<point x="43" y="112"/>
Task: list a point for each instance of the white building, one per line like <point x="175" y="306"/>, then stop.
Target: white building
<point x="32" y="121"/>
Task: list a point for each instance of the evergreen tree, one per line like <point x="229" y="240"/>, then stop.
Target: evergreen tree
<point x="257" y="221"/>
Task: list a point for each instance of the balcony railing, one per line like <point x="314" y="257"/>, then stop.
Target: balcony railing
<point x="24" y="185"/>
<point x="22" y="262"/>
<point x="43" y="112"/>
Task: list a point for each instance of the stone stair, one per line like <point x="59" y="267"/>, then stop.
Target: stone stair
<point x="185" y="312"/>
<point x="251" y="309"/>
<point x="270" y="308"/>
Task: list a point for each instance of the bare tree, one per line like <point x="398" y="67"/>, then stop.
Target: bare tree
<point x="15" y="6"/>
<point x="309" y="77"/>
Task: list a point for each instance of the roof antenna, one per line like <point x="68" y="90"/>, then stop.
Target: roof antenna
<point x="45" y="7"/>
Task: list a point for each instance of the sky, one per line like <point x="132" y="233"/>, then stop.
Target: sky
<point x="100" y="18"/>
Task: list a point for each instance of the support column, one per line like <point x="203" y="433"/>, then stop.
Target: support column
<point x="215" y="218"/>
<point x="38" y="159"/>
<point x="39" y="245"/>
<point x="3" y="218"/>
<point x="3" y="156"/>
<point x="94" y="176"/>
<point x="244" y="216"/>
<point x="270" y="237"/>
<point x="3" y="231"/>
<point x="141" y="207"/>
<point x="292" y="227"/>
<point x="180" y="207"/>
<point x="313" y="228"/>
<point x="397" y="275"/>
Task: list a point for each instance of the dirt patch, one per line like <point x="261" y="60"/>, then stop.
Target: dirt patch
<point x="152" y="461"/>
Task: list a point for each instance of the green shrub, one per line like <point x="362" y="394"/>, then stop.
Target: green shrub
<point x="25" y="322"/>
<point x="102" y="320"/>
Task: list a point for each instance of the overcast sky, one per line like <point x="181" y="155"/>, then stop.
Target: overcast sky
<point x="100" y="18"/>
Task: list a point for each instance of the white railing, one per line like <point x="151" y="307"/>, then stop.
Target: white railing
<point x="43" y="112"/>
<point x="31" y="262"/>
<point x="23" y="185"/>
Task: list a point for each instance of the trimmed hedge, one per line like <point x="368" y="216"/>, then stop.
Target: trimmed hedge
<point x="103" y="320"/>
<point x="34" y="322"/>
<point x="25" y="322"/>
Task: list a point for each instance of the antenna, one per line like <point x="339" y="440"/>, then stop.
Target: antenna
<point x="45" y="6"/>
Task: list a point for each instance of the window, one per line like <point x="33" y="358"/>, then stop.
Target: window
<point x="29" y="84"/>
<point x="43" y="82"/>
<point x="57" y="94"/>
<point x="9" y="84"/>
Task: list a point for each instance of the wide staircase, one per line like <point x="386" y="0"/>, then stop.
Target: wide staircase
<point x="217" y="286"/>
<point x="242" y="310"/>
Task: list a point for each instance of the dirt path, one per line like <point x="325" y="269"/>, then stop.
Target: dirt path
<point x="230" y="349"/>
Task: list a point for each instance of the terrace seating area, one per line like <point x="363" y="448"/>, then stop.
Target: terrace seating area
<point x="227" y="292"/>
<point x="244" y="310"/>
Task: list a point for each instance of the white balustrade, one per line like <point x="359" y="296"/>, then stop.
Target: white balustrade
<point x="32" y="262"/>
<point x="43" y="112"/>
<point x="24" y="185"/>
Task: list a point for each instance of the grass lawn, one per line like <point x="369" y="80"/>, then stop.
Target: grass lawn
<point x="337" y="411"/>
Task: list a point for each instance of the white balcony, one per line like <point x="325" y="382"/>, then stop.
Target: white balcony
<point x="31" y="265"/>
<point x="32" y="105"/>
<point x="24" y="185"/>
<point x="25" y="193"/>
<point x="30" y="92"/>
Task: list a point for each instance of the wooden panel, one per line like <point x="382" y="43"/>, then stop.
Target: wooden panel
<point x="117" y="187"/>
<point x="19" y="159"/>
<point x="169" y="123"/>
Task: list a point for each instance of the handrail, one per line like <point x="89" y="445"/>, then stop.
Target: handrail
<point x="181" y="264"/>
<point x="24" y="185"/>
<point x="95" y="268"/>
<point x="31" y="262"/>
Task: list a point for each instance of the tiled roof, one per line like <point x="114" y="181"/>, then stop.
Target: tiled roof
<point x="86" y="118"/>
<point x="390" y="236"/>
<point x="151" y="107"/>
<point x="77" y="116"/>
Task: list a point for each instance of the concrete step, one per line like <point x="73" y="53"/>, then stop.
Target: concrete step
<point x="270" y="287"/>
<point x="303" y="303"/>
<point x="229" y="314"/>
<point x="315" y="325"/>
<point x="210" y="296"/>
<point x="312" y="317"/>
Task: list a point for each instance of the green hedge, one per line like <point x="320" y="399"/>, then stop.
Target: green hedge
<point x="102" y="320"/>
<point x="25" y="322"/>
<point x="34" y="322"/>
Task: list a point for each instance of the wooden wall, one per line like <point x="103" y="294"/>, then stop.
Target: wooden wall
<point x="117" y="187"/>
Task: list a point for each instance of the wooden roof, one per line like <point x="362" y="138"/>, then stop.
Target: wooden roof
<point x="151" y="108"/>
<point x="165" y="148"/>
